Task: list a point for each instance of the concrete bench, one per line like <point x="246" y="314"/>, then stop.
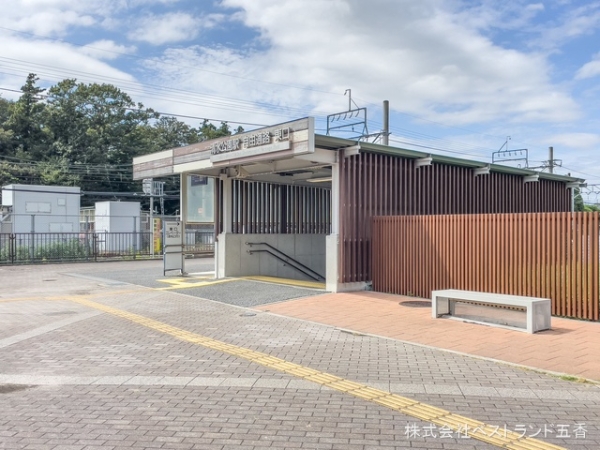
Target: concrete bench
<point x="538" y="310"/>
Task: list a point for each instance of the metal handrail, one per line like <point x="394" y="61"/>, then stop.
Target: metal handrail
<point x="287" y="259"/>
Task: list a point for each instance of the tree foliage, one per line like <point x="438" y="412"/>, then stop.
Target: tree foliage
<point x="591" y="208"/>
<point x="86" y="135"/>
<point x="578" y="201"/>
<point x="26" y="121"/>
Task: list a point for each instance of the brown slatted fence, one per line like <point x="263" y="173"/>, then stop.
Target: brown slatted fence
<point x="374" y="184"/>
<point x="549" y="255"/>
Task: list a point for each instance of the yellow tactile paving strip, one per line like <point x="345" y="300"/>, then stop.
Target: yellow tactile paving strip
<point x="68" y="297"/>
<point x="192" y="282"/>
<point x="186" y="283"/>
<point x="287" y="281"/>
<point x="475" y="429"/>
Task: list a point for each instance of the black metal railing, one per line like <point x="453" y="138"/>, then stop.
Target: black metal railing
<point x="286" y="259"/>
<point x="31" y="248"/>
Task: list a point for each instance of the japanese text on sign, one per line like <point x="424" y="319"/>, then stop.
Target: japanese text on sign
<point x="249" y="141"/>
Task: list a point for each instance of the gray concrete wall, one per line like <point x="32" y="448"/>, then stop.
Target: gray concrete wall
<point x="234" y="259"/>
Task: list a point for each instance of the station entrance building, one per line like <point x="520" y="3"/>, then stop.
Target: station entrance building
<point x="285" y="195"/>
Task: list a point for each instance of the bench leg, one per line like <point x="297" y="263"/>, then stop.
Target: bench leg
<point x="540" y="317"/>
<point x="440" y="306"/>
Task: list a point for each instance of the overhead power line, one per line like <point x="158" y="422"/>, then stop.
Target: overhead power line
<point x="139" y="195"/>
<point x="170" y="114"/>
<point x="157" y="92"/>
<point x="154" y="60"/>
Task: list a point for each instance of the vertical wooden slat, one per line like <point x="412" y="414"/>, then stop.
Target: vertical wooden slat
<point x="592" y="267"/>
<point x="584" y="265"/>
<point x="577" y="262"/>
<point x="553" y="265"/>
<point x="581" y="300"/>
<point x="560" y="246"/>
<point x="546" y="249"/>
<point x="570" y="265"/>
<point x="538" y="252"/>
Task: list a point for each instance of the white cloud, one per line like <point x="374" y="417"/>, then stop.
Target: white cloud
<point x="578" y="21"/>
<point x="54" y="62"/>
<point x="56" y="17"/>
<point x="169" y="28"/>
<point x="578" y="141"/>
<point x="589" y="70"/>
<point x="417" y="55"/>
<point x="107" y="49"/>
<point x="493" y="15"/>
<point x="48" y="22"/>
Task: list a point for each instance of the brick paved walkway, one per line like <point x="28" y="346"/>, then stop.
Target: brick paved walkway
<point x="72" y="377"/>
<point x="571" y="347"/>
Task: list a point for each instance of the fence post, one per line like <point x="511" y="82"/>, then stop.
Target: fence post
<point x="32" y="239"/>
<point x="95" y="244"/>
<point x="12" y="247"/>
<point x="87" y="238"/>
<point x="135" y="237"/>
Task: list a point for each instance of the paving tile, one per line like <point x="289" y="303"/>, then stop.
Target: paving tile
<point x="105" y="382"/>
<point x="547" y="350"/>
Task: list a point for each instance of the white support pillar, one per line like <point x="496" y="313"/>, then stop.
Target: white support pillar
<point x="332" y="253"/>
<point x="183" y="197"/>
<point x="335" y="198"/>
<point x="183" y="211"/>
<point x="221" y="270"/>
<point x="227" y="204"/>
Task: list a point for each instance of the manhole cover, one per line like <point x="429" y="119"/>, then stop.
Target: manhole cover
<point x="8" y="388"/>
<point x="416" y="304"/>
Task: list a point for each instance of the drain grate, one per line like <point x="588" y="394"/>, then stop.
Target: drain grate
<point x="416" y="304"/>
<point x="60" y="313"/>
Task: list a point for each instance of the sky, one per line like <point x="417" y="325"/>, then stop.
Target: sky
<point x="463" y="78"/>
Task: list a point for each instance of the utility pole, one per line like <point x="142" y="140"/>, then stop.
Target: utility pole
<point x="386" y="122"/>
<point x="550" y="163"/>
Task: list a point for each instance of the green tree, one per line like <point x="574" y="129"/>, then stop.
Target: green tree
<point x="579" y="206"/>
<point x="56" y="172"/>
<point x="6" y="134"/>
<point x="26" y="121"/>
<point x="173" y="133"/>
<point x="209" y="131"/>
<point x="96" y="131"/>
<point x="87" y="135"/>
<point x="591" y="208"/>
<point x="95" y="123"/>
<point x="11" y="173"/>
<point x="168" y="132"/>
